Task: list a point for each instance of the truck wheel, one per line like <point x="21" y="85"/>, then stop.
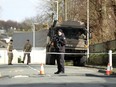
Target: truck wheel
<point x="83" y="61"/>
<point x="50" y="60"/>
<point x="80" y="61"/>
<point x="76" y="62"/>
<point x="47" y="58"/>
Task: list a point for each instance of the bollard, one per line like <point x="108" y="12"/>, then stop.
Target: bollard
<point x="110" y="60"/>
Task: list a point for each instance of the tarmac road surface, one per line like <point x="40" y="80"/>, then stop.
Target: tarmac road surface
<point x="23" y="75"/>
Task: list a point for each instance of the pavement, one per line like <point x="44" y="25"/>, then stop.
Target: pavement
<point x="102" y="69"/>
<point x="16" y="71"/>
<point x="22" y="75"/>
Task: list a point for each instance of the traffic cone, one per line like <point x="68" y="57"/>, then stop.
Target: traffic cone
<point x="108" y="71"/>
<point x="42" y="70"/>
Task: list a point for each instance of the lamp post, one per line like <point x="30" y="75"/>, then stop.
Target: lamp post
<point x="33" y="29"/>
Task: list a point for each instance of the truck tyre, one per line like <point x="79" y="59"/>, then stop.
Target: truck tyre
<point x="76" y="62"/>
<point x="83" y="61"/>
<point x="50" y="60"/>
<point x="47" y="59"/>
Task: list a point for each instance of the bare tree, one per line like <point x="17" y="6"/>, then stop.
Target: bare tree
<point x="102" y="20"/>
<point x="50" y="10"/>
<point x="77" y="10"/>
<point x="102" y="16"/>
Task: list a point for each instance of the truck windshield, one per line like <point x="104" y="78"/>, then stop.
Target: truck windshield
<point x="72" y="33"/>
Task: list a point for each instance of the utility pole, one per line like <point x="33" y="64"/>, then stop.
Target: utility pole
<point x="33" y="29"/>
<point x="65" y="10"/>
<point x="88" y="29"/>
<point x="57" y="10"/>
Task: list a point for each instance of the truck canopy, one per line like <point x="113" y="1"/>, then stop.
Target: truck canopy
<point x="73" y="24"/>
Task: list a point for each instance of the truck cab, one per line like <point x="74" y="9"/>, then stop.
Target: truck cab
<point x="76" y="42"/>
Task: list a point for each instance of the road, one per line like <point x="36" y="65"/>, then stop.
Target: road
<point x="22" y="75"/>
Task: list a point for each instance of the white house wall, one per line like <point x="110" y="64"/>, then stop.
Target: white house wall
<point x="38" y="56"/>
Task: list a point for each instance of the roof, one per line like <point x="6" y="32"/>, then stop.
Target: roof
<point x="73" y="24"/>
<point x="20" y="38"/>
<point x="3" y="44"/>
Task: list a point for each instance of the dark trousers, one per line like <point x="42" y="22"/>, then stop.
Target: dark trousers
<point x="60" y="60"/>
<point x="28" y="57"/>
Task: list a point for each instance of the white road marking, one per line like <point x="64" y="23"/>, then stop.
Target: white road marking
<point x="37" y="70"/>
<point x="20" y="76"/>
<point x="33" y="68"/>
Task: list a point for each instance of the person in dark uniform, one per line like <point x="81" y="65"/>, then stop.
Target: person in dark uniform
<point x="27" y="49"/>
<point x="10" y="53"/>
<point x="59" y="42"/>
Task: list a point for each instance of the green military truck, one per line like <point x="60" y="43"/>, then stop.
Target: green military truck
<point x="75" y="33"/>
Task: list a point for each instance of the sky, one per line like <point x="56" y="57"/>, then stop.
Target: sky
<point x="18" y="10"/>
